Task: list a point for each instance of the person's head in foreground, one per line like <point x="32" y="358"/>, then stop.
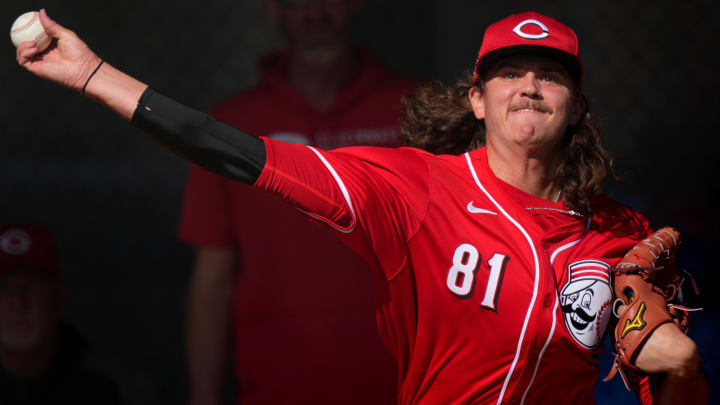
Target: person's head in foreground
<point x="525" y="94"/>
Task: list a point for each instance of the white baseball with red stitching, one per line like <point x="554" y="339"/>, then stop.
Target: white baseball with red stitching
<point x="27" y="27"/>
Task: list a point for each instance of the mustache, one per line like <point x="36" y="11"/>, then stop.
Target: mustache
<point x="579" y="311"/>
<point x="531" y="104"/>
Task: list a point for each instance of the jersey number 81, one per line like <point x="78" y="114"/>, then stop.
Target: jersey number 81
<point x="462" y="275"/>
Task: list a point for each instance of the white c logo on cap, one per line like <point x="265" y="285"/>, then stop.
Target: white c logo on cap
<point x="519" y="32"/>
<point x="15" y="242"/>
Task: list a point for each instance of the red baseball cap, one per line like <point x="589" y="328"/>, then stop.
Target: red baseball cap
<point x="27" y="248"/>
<point x="530" y="32"/>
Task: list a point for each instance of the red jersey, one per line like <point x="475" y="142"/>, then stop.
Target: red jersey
<point x="485" y="294"/>
<point x="303" y="313"/>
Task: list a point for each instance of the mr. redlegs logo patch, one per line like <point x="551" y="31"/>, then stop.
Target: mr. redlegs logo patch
<point x="585" y="301"/>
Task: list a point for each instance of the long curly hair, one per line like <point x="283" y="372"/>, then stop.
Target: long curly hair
<point x="439" y="119"/>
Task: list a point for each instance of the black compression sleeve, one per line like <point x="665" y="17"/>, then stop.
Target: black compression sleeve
<point x="199" y="138"/>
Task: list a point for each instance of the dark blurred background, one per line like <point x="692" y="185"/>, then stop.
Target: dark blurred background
<point x="112" y="196"/>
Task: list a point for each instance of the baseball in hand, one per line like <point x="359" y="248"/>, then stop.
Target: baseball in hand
<point x="27" y="27"/>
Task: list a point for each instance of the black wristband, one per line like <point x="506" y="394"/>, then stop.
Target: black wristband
<point x="91" y="75"/>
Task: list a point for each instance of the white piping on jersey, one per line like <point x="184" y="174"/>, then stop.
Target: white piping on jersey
<point x="554" y="312"/>
<point x="344" y="191"/>
<point x="573" y="243"/>
<point x="563" y="247"/>
<point x="537" y="276"/>
<point x="542" y="352"/>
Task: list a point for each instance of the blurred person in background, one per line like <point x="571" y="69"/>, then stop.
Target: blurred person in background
<point x="42" y="359"/>
<point x="290" y="301"/>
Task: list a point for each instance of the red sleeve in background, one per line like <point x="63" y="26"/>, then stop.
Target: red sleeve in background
<point x="642" y="387"/>
<point x="643" y="391"/>
<point x="204" y="219"/>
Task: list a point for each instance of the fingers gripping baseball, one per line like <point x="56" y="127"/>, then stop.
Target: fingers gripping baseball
<point x="68" y="62"/>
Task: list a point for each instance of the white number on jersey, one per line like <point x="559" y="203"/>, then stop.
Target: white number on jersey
<point x="497" y="271"/>
<point x="461" y="279"/>
<point x="462" y="274"/>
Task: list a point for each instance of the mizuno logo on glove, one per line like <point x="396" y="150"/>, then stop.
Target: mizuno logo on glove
<point x="637" y="323"/>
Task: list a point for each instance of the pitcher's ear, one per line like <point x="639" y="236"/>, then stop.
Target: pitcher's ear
<point x="477" y="101"/>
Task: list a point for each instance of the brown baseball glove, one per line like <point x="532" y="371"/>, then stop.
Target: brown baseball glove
<point x="647" y="282"/>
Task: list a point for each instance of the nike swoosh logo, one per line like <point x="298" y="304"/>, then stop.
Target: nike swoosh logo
<point x="475" y="210"/>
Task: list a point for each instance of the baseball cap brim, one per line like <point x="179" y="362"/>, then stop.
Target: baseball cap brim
<point x="569" y="61"/>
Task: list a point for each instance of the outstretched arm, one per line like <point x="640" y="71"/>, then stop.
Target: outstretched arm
<point x="191" y="134"/>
